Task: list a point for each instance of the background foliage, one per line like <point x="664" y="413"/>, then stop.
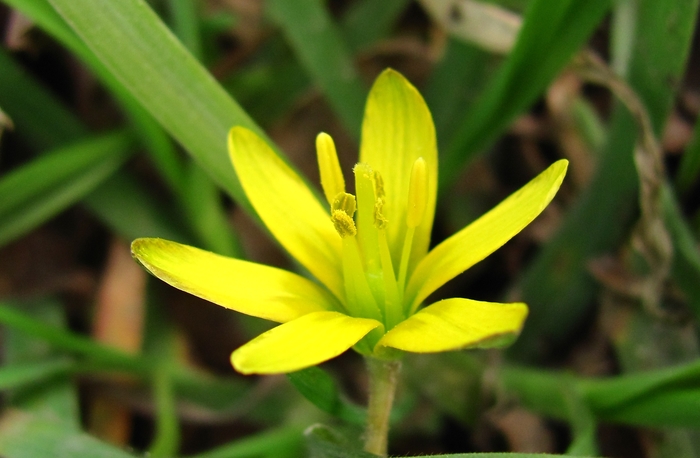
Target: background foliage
<point x="113" y="119"/>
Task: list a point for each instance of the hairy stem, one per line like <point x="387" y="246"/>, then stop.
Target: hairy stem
<point x="383" y="377"/>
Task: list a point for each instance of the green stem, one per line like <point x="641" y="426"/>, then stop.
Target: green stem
<point x="383" y="377"/>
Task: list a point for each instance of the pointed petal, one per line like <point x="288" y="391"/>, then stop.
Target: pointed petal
<point x="485" y="235"/>
<point x="398" y="129"/>
<point x="288" y="207"/>
<point x="246" y="287"/>
<point x="455" y="324"/>
<point x="304" y="342"/>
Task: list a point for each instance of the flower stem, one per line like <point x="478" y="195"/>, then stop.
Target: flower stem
<point x="383" y="377"/>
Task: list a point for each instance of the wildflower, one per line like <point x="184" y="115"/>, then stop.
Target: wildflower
<point x="367" y="251"/>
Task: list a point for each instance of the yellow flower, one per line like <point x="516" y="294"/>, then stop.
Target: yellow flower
<point x="369" y="251"/>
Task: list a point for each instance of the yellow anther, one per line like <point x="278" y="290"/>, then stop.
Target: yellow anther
<point x="332" y="179"/>
<point x="417" y="193"/>
<point x="342" y="210"/>
<point x="379" y="219"/>
<point x="343" y="223"/>
<point x="344" y="202"/>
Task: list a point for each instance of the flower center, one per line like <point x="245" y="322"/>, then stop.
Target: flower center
<point x="373" y="288"/>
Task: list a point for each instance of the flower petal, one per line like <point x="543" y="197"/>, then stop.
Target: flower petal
<point x="398" y="129"/>
<point x="485" y="235"/>
<point x="246" y="287"/>
<point x="304" y="342"/>
<point x="289" y="209"/>
<point x="456" y="323"/>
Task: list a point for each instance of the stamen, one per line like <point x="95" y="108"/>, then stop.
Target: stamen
<point x="417" y="194"/>
<point x="343" y="224"/>
<point x="379" y="219"/>
<point x="366" y="230"/>
<point x="342" y="209"/>
<point x="405" y="256"/>
<point x="345" y="202"/>
<point x="332" y="180"/>
<point x="392" y="296"/>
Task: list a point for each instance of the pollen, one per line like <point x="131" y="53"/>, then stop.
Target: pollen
<point x="343" y="223"/>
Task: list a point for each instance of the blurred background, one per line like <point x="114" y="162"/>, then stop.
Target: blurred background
<point x="110" y="130"/>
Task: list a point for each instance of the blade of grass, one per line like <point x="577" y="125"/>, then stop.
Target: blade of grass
<point x="560" y="29"/>
<point x="34" y="193"/>
<point x="120" y="202"/>
<point x="11" y="317"/>
<point x="201" y="198"/>
<point x="654" y="398"/>
<point x="456" y="81"/>
<point x="366" y="22"/>
<point x="55" y="397"/>
<point x="137" y="49"/>
<point x="320" y="47"/>
<point x="318" y="386"/>
<point x="276" y="442"/>
<point x="128" y="209"/>
<point x="23" y="435"/>
<point x="162" y="153"/>
<point x="556" y="285"/>
<point x="32" y="110"/>
<point x="22" y="373"/>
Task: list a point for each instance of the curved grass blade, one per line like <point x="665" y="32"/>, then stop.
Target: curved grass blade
<point x="318" y="43"/>
<point x="158" y="71"/>
<point x="36" y="192"/>
<point x="550" y="35"/>
<point x="557" y="285"/>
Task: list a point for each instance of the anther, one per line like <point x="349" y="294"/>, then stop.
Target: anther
<point x="342" y="210"/>
<point x="417" y="193"/>
<point x="379" y="219"/>
<point x="345" y="202"/>
<point x="332" y="179"/>
<point x="343" y="223"/>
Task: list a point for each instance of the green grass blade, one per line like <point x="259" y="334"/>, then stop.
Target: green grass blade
<point x="55" y="397"/>
<point x="33" y="110"/>
<point x="138" y="49"/>
<point x="23" y="435"/>
<point x="276" y="442"/>
<point x="120" y="201"/>
<point x="34" y="193"/>
<point x="162" y="153"/>
<point x="318" y="386"/>
<point x="200" y="197"/>
<point x="557" y="285"/>
<point x="128" y="209"/>
<point x="13" y="318"/>
<point x="653" y="398"/>
<point x="321" y="50"/>
<point x="167" y="440"/>
<point x="456" y="82"/>
<point x="368" y="21"/>
<point x="18" y="374"/>
<point x="560" y="28"/>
